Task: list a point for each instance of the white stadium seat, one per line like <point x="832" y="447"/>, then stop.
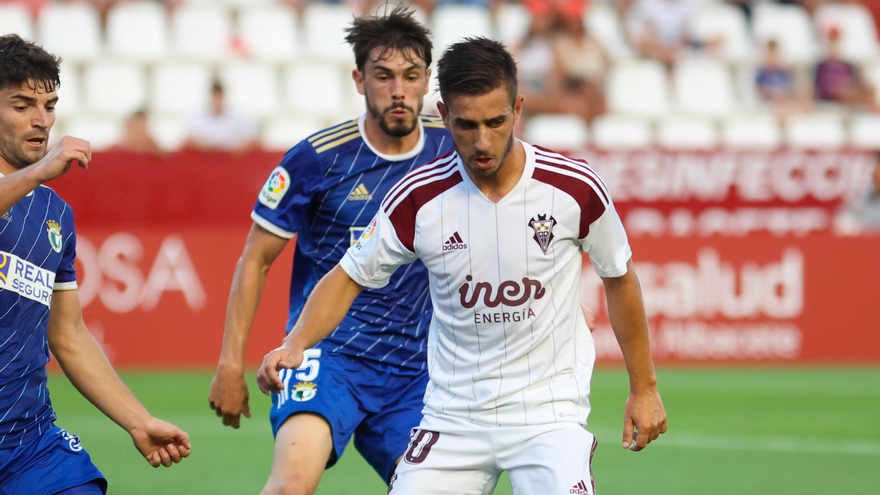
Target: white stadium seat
<point x="603" y="22"/>
<point x="872" y="75"/>
<point x="614" y="132"/>
<point x="137" y="31"/>
<point x="638" y="87"/>
<point x="865" y="131"/>
<point x="251" y="89"/>
<point x="179" y="89"/>
<point x="703" y="87"/>
<point x="512" y="21"/>
<point x="683" y="133"/>
<point x="758" y="132"/>
<point x="791" y="27"/>
<point x="720" y="19"/>
<point x="242" y="3"/>
<point x="559" y="132"/>
<point x="451" y="23"/>
<point x="815" y="131"/>
<point x="269" y="32"/>
<point x="101" y="132"/>
<point x="70" y="30"/>
<point x="69" y="95"/>
<point x="858" y="35"/>
<point x="201" y="32"/>
<point x="314" y="90"/>
<point x="324" y="32"/>
<point x="168" y="132"/>
<point x="15" y="19"/>
<point x="283" y="133"/>
<point x="114" y="88"/>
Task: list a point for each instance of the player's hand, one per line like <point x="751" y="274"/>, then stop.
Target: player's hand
<point x="281" y="358"/>
<point x="644" y="419"/>
<point x="161" y="443"/>
<point x="60" y="158"/>
<point x="229" y="396"/>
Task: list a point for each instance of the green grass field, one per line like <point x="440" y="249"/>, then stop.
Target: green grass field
<point x="731" y="431"/>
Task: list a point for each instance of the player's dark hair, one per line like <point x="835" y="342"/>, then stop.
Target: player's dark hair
<point x="397" y="30"/>
<point x="474" y="67"/>
<point x="23" y="62"/>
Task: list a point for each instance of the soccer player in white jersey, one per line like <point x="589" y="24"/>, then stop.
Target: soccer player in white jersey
<point x="39" y="305"/>
<point x="502" y="227"/>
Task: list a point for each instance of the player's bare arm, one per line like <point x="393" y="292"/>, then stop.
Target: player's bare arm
<point x="17" y="185"/>
<point x="326" y="307"/>
<point x="88" y="369"/>
<point x="644" y="410"/>
<point x="229" y="392"/>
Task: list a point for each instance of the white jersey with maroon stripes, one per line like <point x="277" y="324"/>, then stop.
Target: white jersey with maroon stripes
<point x="508" y="344"/>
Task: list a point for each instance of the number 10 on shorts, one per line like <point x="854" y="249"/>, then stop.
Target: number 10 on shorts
<point x="420" y="446"/>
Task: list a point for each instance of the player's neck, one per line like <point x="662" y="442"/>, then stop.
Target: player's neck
<point x="502" y="182"/>
<point x="390" y="145"/>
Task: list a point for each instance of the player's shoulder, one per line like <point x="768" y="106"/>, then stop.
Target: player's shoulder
<point x="558" y="170"/>
<point x="425" y="182"/>
<point x="334" y="138"/>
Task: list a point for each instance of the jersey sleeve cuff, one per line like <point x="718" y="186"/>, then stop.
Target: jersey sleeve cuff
<point x="619" y="269"/>
<point x="65" y="286"/>
<point x="262" y="222"/>
<point x="350" y="267"/>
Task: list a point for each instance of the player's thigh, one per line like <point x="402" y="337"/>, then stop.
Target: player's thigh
<point x="556" y="460"/>
<point x="383" y="437"/>
<point x="446" y="459"/>
<point x="303" y="446"/>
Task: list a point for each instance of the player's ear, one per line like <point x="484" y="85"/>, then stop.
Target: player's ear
<point x="358" y="78"/>
<point x="517" y="108"/>
<point x="441" y="107"/>
<point x="428" y="81"/>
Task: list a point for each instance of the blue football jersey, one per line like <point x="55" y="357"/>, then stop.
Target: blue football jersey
<point x="37" y="250"/>
<point x="326" y="191"/>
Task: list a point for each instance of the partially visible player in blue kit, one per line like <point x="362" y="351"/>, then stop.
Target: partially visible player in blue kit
<point x="368" y="378"/>
<point x="39" y="305"/>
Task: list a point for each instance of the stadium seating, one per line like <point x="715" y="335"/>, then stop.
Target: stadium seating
<point x="252" y="89"/>
<point x="614" y="132"/>
<point x="314" y="90"/>
<point x="816" y="131"/>
<point x="269" y="33"/>
<point x="791" y="27"/>
<point x="115" y="89"/>
<point x="70" y="30"/>
<point x="638" y="87"/>
<point x="100" y="131"/>
<point x="865" y="131"/>
<point x="559" y="132"/>
<point x="703" y="87"/>
<point x="14" y="18"/>
<point x="604" y="23"/>
<point x="512" y="21"/>
<point x="324" y="35"/>
<point x="169" y="132"/>
<point x="687" y="133"/>
<point x="755" y="132"/>
<point x="858" y="36"/>
<point x="201" y="32"/>
<point x="68" y="92"/>
<point x="179" y="89"/>
<point x="282" y="133"/>
<point x="451" y="23"/>
<point x="720" y="19"/>
<point x="137" y="31"/>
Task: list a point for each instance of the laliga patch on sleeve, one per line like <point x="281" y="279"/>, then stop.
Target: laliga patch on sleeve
<point x="275" y="189"/>
<point x="365" y="236"/>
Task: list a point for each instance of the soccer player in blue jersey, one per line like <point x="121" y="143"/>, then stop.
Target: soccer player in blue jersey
<point x="368" y="378"/>
<point x="39" y="306"/>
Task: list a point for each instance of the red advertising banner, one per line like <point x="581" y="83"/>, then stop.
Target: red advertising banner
<point x="735" y="265"/>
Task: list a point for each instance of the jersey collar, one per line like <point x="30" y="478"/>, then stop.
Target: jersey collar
<point x="528" y="171"/>
<point x="394" y="158"/>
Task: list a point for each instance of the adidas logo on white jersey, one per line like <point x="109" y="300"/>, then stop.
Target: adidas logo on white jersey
<point x="360" y="193"/>
<point x="454" y="243"/>
<point x="579" y="489"/>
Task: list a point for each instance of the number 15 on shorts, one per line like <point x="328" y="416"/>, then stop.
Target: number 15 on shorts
<point x="304" y="390"/>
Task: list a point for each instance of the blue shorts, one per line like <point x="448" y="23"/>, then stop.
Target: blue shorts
<point x="368" y="400"/>
<point x="54" y="463"/>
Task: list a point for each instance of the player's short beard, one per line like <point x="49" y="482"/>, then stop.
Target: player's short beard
<point x="11" y="151"/>
<point x="398" y="130"/>
<point x="485" y="173"/>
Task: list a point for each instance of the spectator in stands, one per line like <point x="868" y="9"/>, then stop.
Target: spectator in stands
<point x="137" y="138"/>
<point x="219" y="129"/>
<point x="838" y="81"/>
<point x="582" y="63"/>
<point x="864" y="214"/>
<point x="659" y="28"/>
<point x="535" y="60"/>
<point x="776" y="84"/>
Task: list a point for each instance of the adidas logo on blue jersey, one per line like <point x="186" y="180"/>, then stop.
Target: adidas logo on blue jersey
<point x="360" y="193"/>
<point x="454" y="243"/>
<point x="7" y="217"/>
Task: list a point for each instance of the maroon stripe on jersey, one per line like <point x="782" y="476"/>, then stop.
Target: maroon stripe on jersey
<point x="593" y="451"/>
<point x="575" y="168"/>
<point x="421" y="181"/>
<point x="417" y="174"/>
<point x="591" y="204"/>
<point x="403" y="217"/>
<point x="581" y="164"/>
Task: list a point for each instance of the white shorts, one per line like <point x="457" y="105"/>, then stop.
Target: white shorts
<point x="454" y="457"/>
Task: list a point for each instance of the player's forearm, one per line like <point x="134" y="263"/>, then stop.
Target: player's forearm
<point x="244" y="299"/>
<point x="326" y="307"/>
<point x="15" y="186"/>
<point x="630" y="324"/>
<point x="90" y="372"/>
